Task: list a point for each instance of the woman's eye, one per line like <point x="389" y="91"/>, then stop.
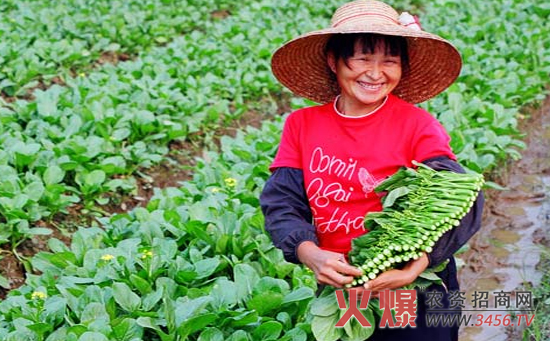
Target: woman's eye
<point x="391" y="61"/>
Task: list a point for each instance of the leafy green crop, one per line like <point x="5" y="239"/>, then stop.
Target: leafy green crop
<point x="505" y="47"/>
<point x="41" y="39"/>
<point x="92" y="134"/>
<point x="195" y="263"/>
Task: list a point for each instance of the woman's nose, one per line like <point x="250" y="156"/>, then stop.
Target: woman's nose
<point x="374" y="71"/>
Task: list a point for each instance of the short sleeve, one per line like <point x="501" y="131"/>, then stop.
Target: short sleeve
<point x="289" y="153"/>
<point x="432" y="140"/>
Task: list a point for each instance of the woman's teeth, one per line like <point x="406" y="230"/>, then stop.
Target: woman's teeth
<point x="370" y="86"/>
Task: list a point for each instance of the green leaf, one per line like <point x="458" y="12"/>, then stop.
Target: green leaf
<point x="324" y="328"/>
<point x="54" y="309"/>
<point x="57" y="245"/>
<point x="239" y="335"/>
<point x="95" y="178"/>
<point x="93" y="336"/>
<point x="125" y="297"/>
<point x="224" y="294"/>
<point x="265" y="302"/>
<point x="325" y="306"/>
<point x="271" y="284"/>
<point x="141" y="284"/>
<point x="494" y="185"/>
<point x="295" y="334"/>
<point x="186" y="309"/>
<point x="206" y="267"/>
<point x="211" y="334"/>
<point x="268" y="331"/>
<point x="127" y="329"/>
<point x="196" y="323"/>
<point x="93" y="312"/>
<point x="246" y="278"/>
<point x="393" y="195"/>
<point x="39" y="231"/>
<point x="40" y="328"/>
<point x="53" y="175"/>
<point x="60" y="334"/>
<point x="430" y="276"/>
<point x="300" y="294"/>
<point x="35" y="190"/>
<point x="238" y="319"/>
<point x="151" y="299"/>
<point x="355" y="331"/>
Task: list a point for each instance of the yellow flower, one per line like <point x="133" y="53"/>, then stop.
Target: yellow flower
<point x="230" y="182"/>
<point x="215" y="190"/>
<point x="147" y="254"/>
<point x="82" y="74"/>
<point x="38" y="295"/>
<point x="107" y="257"/>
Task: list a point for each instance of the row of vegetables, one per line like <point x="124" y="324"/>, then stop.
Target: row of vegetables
<point x="195" y="263"/>
<point x="82" y="142"/>
<point x="42" y="40"/>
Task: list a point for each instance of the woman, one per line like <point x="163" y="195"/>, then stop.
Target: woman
<point x="367" y="70"/>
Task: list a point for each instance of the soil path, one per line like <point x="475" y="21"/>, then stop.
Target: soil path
<point x="505" y="253"/>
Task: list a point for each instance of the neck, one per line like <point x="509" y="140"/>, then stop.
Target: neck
<point x="342" y="109"/>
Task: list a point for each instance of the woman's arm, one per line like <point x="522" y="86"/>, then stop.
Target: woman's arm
<point x="286" y="210"/>
<point x="288" y="221"/>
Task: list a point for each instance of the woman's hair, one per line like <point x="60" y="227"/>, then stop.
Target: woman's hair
<point x="343" y="46"/>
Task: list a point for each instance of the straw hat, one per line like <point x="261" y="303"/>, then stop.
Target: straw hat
<point x="301" y="64"/>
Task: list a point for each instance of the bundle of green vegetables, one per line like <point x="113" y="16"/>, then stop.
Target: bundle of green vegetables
<point x="419" y="207"/>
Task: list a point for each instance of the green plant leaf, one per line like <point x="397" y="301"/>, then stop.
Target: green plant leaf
<point x="53" y="175"/>
<point x="239" y="335"/>
<point x="127" y="329"/>
<point x="299" y="294"/>
<point x="211" y="334"/>
<point x="325" y="306"/>
<point x="246" y="278"/>
<point x="270" y="330"/>
<point x="324" y="328"/>
<point x="266" y="302"/>
<point x="93" y="336"/>
<point x="125" y="297"/>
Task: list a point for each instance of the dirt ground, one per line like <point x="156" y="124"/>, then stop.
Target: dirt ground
<point x="504" y="254"/>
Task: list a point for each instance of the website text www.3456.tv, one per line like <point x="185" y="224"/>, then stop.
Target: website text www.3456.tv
<point x="400" y="308"/>
<point x="487" y="309"/>
<point x="478" y="320"/>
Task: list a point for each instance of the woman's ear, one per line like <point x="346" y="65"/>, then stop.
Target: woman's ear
<point x="331" y="61"/>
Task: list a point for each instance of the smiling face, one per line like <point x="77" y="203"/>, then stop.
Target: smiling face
<point x="366" y="76"/>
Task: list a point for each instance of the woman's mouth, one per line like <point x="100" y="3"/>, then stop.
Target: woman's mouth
<point x="370" y="86"/>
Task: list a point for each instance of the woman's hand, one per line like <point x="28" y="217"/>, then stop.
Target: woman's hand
<point x="329" y="267"/>
<point x="397" y="278"/>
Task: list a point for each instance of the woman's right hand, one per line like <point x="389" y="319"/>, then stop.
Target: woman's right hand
<point x="330" y="268"/>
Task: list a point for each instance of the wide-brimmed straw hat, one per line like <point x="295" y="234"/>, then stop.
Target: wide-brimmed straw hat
<point x="301" y="64"/>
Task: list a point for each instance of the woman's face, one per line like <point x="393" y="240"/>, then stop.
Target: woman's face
<point x="366" y="79"/>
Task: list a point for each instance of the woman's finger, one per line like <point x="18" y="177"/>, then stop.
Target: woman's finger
<point x="346" y="269"/>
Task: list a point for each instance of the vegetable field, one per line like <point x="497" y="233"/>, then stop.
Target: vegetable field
<point x="96" y="95"/>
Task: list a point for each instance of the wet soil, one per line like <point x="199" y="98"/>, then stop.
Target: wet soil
<point x="504" y="254"/>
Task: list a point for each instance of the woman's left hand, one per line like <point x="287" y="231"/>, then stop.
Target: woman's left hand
<point x="397" y="278"/>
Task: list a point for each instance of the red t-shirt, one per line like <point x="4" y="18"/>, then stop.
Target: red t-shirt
<point x="344" y="158"/>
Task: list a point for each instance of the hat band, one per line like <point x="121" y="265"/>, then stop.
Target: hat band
<point x="343" y="20"/>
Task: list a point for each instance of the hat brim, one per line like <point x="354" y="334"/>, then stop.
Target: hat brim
<point x="301" y="64"/>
